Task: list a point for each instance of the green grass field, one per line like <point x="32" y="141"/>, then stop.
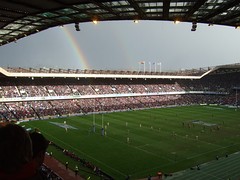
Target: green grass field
<point x="166" y="139"/>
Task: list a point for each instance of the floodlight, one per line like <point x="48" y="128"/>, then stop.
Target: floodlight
<point x="176" y="21"/>
<point x="136" y="21"/>
<point x="95" y="21"/>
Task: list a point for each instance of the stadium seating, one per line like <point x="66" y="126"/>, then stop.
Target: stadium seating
<point x="41" y="98"/>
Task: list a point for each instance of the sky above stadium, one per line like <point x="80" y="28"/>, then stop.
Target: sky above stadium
<point x="124" y="45"/>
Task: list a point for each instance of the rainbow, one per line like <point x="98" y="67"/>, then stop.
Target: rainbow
<point x="76" y="48"/>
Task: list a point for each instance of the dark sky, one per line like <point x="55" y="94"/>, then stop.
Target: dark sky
<point x="121" y="45"/>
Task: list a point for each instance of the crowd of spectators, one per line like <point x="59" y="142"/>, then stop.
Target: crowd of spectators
<point x="217" y="83"/>
<point x="124" y="95"/>
<point x="82" y="90"/>
<point x="57" y="108"/>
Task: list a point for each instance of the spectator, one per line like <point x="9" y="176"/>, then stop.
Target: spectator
<point x="66" y="165"/>
<point x="149" y="177"/>
<point x="15" y="153"/>
<point x="39" y="147"/>
<point x="76" y="170"/>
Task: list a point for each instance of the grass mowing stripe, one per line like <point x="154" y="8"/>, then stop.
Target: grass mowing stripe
<point x="217" y="167"/>
<point x="208" y="176"/>
<point x="224" y="168"/>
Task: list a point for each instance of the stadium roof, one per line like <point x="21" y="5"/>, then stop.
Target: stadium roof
<point x="71" y="73"/>
<point x="21" y="18"/>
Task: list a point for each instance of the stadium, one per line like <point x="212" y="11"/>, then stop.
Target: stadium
<point x="115" y="124"/>
<point x="28" y="95"/>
